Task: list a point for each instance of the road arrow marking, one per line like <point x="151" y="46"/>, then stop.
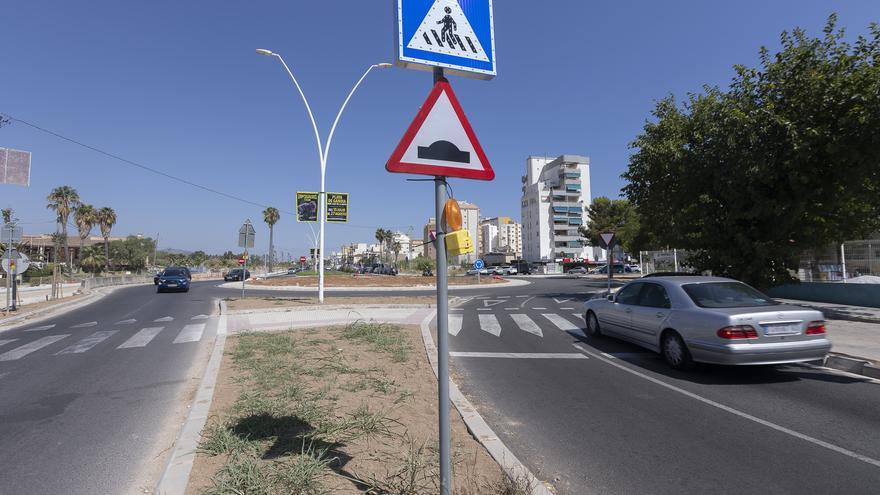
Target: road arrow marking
<point x="492" y="302"/>
<point x="560" y="301"/>
<point x="85" y="325"/>
<point x="126" y="322"/>
<point x="164" y="318"/>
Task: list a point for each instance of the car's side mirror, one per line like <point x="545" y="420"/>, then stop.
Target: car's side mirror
<point x="610" y="297"/>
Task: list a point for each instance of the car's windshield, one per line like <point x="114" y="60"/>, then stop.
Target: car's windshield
<point x="726" y="295"/>
<point x="173" y="273"/>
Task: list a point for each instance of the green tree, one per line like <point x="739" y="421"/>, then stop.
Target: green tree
<point x="614" y="215"/>
<point x="271" y="216"/>
<point x="423" y="263"/>
<point x="106" y="220"/>
<point x="784" y="160"/>
<point x="380" y="238"/>
<point x="197" y="258"/>
<point x="132" y="252"/>
<point x="7" y="214"/>
<point x="84" y="217"/>
<point x="92" y="259"/>
<point x="63" y="200"/>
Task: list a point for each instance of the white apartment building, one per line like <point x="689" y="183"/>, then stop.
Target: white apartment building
<point x="470" y="221"/>
<point x="555" y="198"/>
<point x="500" y="235"/>
<point x="405" y="246"/>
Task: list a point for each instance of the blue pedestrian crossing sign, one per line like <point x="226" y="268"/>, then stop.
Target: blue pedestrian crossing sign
<point x="457" y="35"/>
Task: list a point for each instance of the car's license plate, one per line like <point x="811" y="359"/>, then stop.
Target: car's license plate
<point x="784" y="329"/>
<point x="172" y="284"/>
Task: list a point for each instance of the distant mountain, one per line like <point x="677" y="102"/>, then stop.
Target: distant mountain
<point x="175" y="251"/>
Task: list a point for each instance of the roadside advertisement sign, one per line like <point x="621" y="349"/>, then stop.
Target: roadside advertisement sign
<point x="337" y="207"/>
<point x="15" y="167"/>
<point x="306" y="206"/>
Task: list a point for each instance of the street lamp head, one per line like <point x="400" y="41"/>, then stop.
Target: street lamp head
<point x="263" y="51"/>
<point x="384" y="65"/>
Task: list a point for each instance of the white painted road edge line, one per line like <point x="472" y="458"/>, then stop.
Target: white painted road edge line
<point x="834" y="371"/>
<point x="522" y="355"/>
<point x="737" y="412"/>
<point x="477" y="425"/>
<point x="175" y="476"/>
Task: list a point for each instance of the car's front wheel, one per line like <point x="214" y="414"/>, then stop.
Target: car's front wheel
<point x="675" y="352"/>
<point x="593" y="329"/>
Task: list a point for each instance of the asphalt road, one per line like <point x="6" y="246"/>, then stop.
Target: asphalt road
<point x="609" y="417"/>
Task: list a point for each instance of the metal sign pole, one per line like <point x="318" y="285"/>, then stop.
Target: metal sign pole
<point x="442" y="339"/>
<point x="610" y="256"/>
<point x="8" y="275"/>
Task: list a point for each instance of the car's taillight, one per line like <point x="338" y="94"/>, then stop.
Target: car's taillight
<point x="815" y="328"/>
<point x="738" y="332"/>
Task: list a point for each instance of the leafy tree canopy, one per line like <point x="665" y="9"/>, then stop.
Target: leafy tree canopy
<point x="786" y="159"/>
<point x="614" y="215"/>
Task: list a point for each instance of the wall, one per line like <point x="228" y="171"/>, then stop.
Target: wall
<point x="836" y="293"/>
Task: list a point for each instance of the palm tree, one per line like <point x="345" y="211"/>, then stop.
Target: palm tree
<point x="63" y="200"/>
<point x="380" y="238"/>
<point x="84" y="217"/>
<point x="271" y="216"/>
<point x="7" y="215"/>
<point x="92" y="259"/>
<point x="389" y="238"/>
<point x="396" y="247"/>
<point x="106" y="219"/>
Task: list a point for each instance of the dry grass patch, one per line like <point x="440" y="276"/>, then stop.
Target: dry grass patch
<point x="342" y="410"/>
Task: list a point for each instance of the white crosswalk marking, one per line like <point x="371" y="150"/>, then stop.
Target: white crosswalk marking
<point x="26" y="349"/>
<point x="562" y="323"/>
<point x="455" y="322"/>
<point x="87" y="343"/>
<point x="200" y="317"/>
<point x="164" y="318"/>
<point x="126" y="322"/>
<point x="190" y="333"/>
<point x="37" y="329"/>
<point x="526" y="324"/>
<point x="579" y="316"/>
<point x="7" y="341"/>
<point x="142" y="338"/>
<point x="489" y="323"/>
<point x="84" y="325"/>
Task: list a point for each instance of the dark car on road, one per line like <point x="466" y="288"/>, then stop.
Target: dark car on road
<point x="173" y="279"/>
<point x="235" y="275"/>
<point x="185" y="271"/>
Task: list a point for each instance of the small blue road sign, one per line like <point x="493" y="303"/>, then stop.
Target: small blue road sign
<point x="458" y="35"/>
<point x="478" y="265"/>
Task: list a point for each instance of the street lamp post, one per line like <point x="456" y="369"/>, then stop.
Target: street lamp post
<point x="322" y="154"/>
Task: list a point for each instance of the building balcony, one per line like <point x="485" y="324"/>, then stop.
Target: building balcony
<point x="569" y="174"/>
<point x="567" y="238"/>
<point x="575" y="221"/>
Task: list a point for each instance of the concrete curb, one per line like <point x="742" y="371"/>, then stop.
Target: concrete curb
<point x="235" y="312"/>
<point x="852" y="365"/>
<point x="175" y="476"/>
<point x="420" y="288"/>
<point x="53" y="311"/>
<point x="478" y="427"/>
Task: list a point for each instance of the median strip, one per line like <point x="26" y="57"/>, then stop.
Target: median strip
<point x="520" y="355"/>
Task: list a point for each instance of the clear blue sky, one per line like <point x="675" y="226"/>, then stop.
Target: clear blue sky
<point x="177" y="86"/>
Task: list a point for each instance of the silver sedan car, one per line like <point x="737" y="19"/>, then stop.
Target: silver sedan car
<point x="710" y="320"/>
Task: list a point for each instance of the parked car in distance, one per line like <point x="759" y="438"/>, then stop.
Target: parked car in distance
<point x="474" y="271"/>
<point x="235" y="275"/>
<point x="292" y="271"/>
<point x="617" y="269"/>
<point x="173" y="279"/>
<point x="578" y="270"/>
<point x="671" y="274"/>
<point x="509" y="270"/>
<point x="710" y="320"/>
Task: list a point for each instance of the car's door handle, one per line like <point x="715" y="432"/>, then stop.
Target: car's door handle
<point x="661" y="315"/>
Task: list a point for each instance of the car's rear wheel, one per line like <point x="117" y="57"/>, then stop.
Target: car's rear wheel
<point x="675" y="352"/>
<point x="593" y="329"/>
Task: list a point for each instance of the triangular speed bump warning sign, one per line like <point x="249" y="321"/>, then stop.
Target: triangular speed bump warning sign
<point x="440" y="141"/>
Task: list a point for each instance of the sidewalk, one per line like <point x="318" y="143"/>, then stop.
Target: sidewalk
<point x="285" y="318"/>
<point x="854" y="330"/>
<point x="40" y="293"/>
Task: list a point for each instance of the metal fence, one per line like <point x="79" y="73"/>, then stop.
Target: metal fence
<point x="850" y="260"/>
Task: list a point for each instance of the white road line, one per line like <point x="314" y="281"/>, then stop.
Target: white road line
<point x="456" y="309"/>
<point x="483" y="309"/>
<point x="540" y="308"/>
<point x="523" y="296"/>
<point x="190" y="333"/>
<point x="37" y="329"/>
<point x="503" y="297"/>
<point x="126" y="322"/>
<point x="455" y="322"/>
<point x="563" y="324"/>
<point x="488" y="323"/>
<point x="521" y="355"/>
<point x="492" y="302"/>
<point x="87" y="343"/>
<point x="566" y="309"/>
<point x="737" y="412"/>
<point x="579" y="316"/>
<point x="26" y="349"/>
<point x="526" y="324"/>
<point x="164" y="318"/>
<point x="7" y="341"/>
<point x="142" y="338"/>
<point x="510" y="309"/>
<point x="85" y="325"/>
<point x="200" y="317"/>
<point x="560" y="301"/>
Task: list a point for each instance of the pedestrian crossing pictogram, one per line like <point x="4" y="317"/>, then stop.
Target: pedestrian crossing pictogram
<point x="446" y="29"/>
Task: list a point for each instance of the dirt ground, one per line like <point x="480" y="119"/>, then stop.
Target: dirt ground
<point x="299" y="302"/>
<point x="370" y="281"/>
<point x="375" y="380"/>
